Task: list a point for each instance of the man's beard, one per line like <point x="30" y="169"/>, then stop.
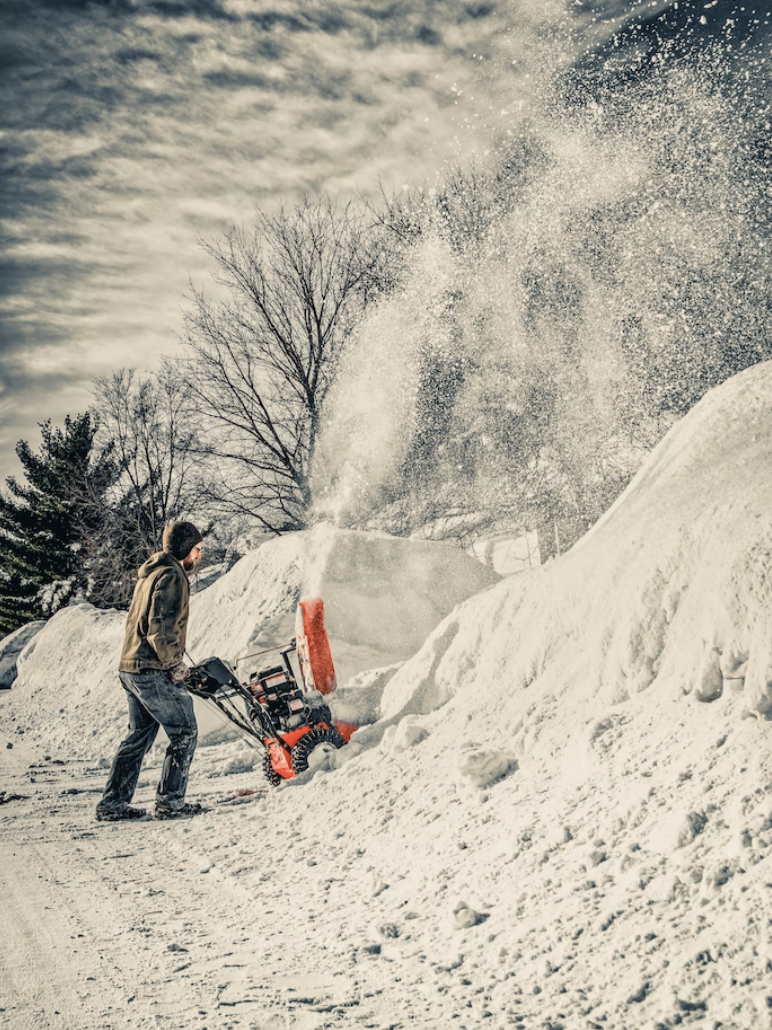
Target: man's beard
<point x="188" y="564"/>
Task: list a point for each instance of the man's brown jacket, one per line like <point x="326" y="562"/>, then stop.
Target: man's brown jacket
<point x="157" y="622"/>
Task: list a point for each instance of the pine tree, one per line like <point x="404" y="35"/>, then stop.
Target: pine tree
<point x="42" y="521"/>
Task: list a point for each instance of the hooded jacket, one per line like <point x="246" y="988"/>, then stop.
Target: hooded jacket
<point x="157" y="623"/>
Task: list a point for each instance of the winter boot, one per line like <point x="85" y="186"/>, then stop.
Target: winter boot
<point x="182" y="812"/>
<point x="129" y="812"/>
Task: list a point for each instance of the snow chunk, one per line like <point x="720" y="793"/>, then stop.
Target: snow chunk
<point x="482" y="768"/>
<point x="358" y="702"/>
<point x="10" y="649"/>
<point x="676" y="831"/>
<point x="407" y="733"/>
<point x="465" y="917"/>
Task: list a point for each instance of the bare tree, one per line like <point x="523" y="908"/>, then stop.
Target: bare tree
<point x="468" y="201"/>
<point x="151" y="422"/>
<point x="148" y="424"/>
<point x="264" y="357"/>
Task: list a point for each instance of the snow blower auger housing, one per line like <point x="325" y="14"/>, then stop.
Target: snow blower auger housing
<point x="289" y="722"/>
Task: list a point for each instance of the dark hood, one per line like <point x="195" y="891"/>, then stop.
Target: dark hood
<point x="156" y="561"/>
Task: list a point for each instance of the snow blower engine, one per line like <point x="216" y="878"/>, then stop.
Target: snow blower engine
<point x="293" y="725"/>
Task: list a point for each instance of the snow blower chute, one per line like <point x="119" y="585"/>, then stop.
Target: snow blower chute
<point x="293" y="725"/>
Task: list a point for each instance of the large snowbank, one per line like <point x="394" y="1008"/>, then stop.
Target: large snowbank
<point x="670" y="593"/>
<point x="596" y="733"/>
<point x="383" y="596"/>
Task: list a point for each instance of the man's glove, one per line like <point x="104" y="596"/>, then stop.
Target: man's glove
<point x="180" y="673"/>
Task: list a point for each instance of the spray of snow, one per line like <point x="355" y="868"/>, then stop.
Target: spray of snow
<point x="372" y="416"/>
<point x="630" y="237"/>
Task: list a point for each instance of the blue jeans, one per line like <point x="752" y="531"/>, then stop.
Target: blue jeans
<point x="153" y="701"/>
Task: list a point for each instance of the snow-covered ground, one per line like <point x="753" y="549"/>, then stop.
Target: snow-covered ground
<point x="562" y="816"/>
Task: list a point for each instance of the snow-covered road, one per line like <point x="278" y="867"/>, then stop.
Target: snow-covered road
<point x="116" y="926"/>
<point x="235" y="919"/>
<point x="585" y="893"/>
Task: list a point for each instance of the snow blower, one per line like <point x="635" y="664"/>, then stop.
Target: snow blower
<point x="293" y="726"/>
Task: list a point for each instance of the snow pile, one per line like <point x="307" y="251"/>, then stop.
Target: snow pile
<point x="382" y="596"/>
<point x="582" y="753"/>
<point x="671" y="591"/>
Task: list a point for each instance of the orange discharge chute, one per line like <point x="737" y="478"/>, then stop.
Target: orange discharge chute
<point x="313" y="647"/>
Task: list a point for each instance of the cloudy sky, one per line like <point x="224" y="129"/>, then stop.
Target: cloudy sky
<point x="130" y="129"/>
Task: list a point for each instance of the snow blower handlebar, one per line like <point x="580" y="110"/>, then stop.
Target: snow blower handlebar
<point x="214" y="681"/>
<point x="269" y="650"/>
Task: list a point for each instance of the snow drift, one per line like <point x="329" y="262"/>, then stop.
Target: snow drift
<point x="596" y="733"/>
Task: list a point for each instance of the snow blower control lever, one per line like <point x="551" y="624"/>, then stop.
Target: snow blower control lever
<point x="294" y="726"/>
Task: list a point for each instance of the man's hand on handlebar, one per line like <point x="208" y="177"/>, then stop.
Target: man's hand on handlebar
<point x="180" y="673"/>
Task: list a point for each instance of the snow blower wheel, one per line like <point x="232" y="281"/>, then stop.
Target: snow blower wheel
<point x="304" y="751"/>
<point x="268" y="771"/>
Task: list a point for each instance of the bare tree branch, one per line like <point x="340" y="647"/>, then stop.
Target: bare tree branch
<point x="261" y="361"/>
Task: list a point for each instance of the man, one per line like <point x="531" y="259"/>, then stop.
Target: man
<point x="152" y="672"/>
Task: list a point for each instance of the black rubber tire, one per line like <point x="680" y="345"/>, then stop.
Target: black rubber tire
<point x="302" y="750"/>
<point x="269" y="772"/>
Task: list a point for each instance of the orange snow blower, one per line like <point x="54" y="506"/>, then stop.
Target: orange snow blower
<point x="292" y="725"/>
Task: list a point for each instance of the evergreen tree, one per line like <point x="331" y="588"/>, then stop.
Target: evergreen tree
<point x="42" y="521"/>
